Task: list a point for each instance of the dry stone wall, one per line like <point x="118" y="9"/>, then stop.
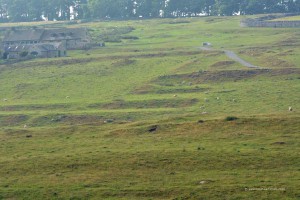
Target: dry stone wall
<point x="265" y="22"/>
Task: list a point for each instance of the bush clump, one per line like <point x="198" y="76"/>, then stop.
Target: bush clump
<point x="130" y="37"/>
<point x="230" y="118"/>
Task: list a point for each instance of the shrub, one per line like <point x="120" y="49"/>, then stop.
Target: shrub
<point x="231" y="118"/>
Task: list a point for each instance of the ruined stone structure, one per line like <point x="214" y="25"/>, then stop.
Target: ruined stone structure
<point x="265" y="22"/>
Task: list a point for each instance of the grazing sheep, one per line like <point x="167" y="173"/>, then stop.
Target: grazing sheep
<point x="25" y="126"/>
<point x="290" y="109"/>
<point x="4" y="99"/>
<point x="206" y="44"/>
<point x="175" y="95"/>
<point x="218" y="98"/>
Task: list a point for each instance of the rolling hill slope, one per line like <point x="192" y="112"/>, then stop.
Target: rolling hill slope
<point x="152" y="116"/>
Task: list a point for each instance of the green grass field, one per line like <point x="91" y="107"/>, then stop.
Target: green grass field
<point x="155" y="117"/>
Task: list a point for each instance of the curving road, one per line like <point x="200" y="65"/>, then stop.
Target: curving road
<point x="233" y="56"/>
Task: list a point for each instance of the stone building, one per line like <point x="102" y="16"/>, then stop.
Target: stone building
<point x="43" y="42"/>
<point x="42" y="50"/>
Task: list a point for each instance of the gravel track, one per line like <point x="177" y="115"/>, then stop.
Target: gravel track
<point x="233" y="56"/>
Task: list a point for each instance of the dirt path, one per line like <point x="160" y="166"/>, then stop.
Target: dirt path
<point x="233" y="56"/>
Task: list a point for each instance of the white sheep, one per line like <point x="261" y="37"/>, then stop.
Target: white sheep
<point x="175" y="95"/>
<point x="25" y="126"/>
<point x="218" y="98"/>
<point x="290" y="109"/>
<point x="4" y="99"/>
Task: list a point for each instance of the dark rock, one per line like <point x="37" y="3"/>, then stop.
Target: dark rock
<point x="152" y="129"/>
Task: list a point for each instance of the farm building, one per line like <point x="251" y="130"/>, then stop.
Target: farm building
<point x="42" y="50"/>
<point x="43" y="42"/>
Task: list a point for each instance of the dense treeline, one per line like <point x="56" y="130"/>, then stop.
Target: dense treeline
<point x="37" y="10"/>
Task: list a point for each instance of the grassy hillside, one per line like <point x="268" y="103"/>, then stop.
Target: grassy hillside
<point x="153" y="116"/>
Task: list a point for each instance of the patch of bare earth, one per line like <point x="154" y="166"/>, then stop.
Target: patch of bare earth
<point x="88" y="59"/>
<point x="291" y="41"/>
<point x="222" y="76"/>
<point x="34" y="107"/>
<point x="270" y="61"/>
<point x="68" y="119"/>
<point x="147" y="89"/>
<point x="223" y="64"/>
<point x="155" y="103"/>
<point x="12" y="120"/>
<point x="123" y="62"/>
<point x="277" y="62"/>
<point x="254" y="51"/>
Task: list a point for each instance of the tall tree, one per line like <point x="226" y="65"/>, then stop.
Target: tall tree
<point x="108" y="8"/>
<point x="18" y="11"/>
<point x="227" y="7"/>
<point x="4" y="10"/>
<point x="207" y="6"/>
<point x="35" y="10"/>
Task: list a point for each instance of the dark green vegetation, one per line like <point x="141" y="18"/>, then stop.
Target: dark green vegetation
<point x="38" y="10"/>
<point x="147" y="118"/>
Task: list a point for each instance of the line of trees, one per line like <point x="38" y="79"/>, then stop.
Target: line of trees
<point x="38" y="10"/>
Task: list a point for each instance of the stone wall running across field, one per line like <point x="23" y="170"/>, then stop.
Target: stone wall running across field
<point x="265" y="22"/>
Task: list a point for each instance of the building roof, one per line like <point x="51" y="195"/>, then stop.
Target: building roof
<point x="23" y="35"/>
<point x="45" y="34"/>
<point x="31" y="47"/>
<point x="64" y="34"/>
